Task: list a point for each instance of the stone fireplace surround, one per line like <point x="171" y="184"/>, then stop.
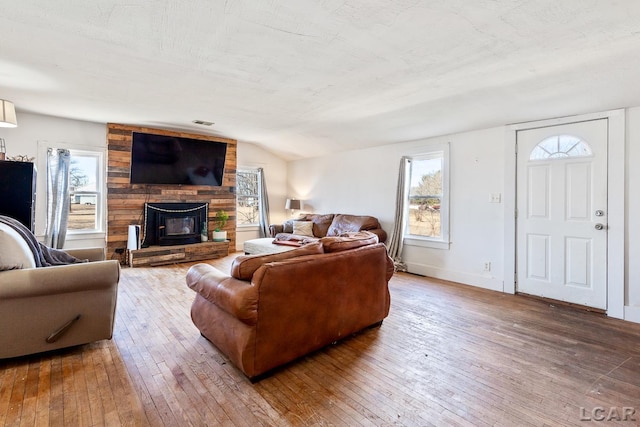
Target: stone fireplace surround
<point x="125" y="201"/>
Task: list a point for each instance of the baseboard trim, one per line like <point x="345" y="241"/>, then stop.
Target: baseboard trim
<point x="485" y="282"/>
<point x="632" y="313"/>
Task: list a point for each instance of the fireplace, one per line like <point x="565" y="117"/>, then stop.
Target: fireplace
<point x="167" y="224"/>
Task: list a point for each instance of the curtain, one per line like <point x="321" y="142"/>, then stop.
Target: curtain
<point x="264" y="204"/>
<point x="58" y="198"/>
<point x="395" y="241"/>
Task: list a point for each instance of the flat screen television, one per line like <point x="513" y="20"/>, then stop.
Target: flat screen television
<point x="170" y="160"/>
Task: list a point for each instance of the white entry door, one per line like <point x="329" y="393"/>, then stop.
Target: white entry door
<point x="562" y="213"/>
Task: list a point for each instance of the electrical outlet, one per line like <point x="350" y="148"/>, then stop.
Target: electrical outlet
<point x="487" y="266"/>
<point x="495" y="198"/>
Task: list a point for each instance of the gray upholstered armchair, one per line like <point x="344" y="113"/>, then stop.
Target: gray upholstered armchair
<point x="47" y="308"/>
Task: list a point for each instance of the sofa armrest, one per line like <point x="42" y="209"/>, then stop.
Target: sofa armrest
<point x="237" y="297"/>
<point x="275" y="229"/>
<point x="382" y="235"/>
<point x="92" y="254"/>
<point x="59" y="279"/>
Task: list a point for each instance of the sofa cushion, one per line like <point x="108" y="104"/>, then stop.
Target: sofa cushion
<point x="244" y="266"/>
<point x="287" y="226"/>
<point x="303" y="228"/>
<point x="14" y="251"/>
<point x="321" y="223"/>
<point x="348" y="241"/>
<point x="349" y="223"/>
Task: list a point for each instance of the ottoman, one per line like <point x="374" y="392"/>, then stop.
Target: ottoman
<point x="264" y="246"/>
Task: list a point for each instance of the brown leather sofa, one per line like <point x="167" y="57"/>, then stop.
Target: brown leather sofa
<point x="332" y="225"/>
<point x="275" y="308"/>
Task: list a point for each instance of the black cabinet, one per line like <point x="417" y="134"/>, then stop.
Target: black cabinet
<point x="18" y="191"/>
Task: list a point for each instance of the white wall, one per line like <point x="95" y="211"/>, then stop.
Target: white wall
<point x="476" y="224"/>
<point x="364" y="182"/>
<point x="36" y="128"/>
<point x="275" y="172"/>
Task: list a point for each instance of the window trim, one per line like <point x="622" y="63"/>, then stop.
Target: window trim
<point x="100" y="203"/>
<point x="442" y="242"/>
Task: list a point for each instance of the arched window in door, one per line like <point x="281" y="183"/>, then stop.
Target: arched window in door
<point x="560" y="146"/>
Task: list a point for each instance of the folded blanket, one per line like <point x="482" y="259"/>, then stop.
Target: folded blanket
<point x="289" y="237"/>
<point x="44" y="256"/>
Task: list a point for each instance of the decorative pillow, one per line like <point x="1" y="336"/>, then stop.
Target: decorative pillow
<point x="348" y="241"/>
<point x="287" y="226"/>
<point x="303" y="228"/>
<point x="244" y="266"/>
<point x="14" y="251"/>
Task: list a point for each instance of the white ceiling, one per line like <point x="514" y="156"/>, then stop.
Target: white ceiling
<point x="311" y="77"/>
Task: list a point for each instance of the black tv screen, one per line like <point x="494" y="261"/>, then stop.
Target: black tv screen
<point x="160" y="159"/>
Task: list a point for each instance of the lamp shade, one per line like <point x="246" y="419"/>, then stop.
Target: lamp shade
<point x="293" y="204"/>
<point x="7" y="114"/>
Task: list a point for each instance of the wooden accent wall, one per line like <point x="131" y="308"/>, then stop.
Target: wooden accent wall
<point x="125" y="201"/>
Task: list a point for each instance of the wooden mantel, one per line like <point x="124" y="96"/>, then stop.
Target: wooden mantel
<point x="125" y="201"/>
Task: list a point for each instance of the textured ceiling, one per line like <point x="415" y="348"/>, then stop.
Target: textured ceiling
<point x="308" y="77"/>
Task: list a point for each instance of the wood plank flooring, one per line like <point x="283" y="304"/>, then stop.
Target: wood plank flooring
<point x="447" y="354"/>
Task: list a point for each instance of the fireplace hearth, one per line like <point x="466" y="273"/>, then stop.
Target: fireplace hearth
<point x="168" y="224"/>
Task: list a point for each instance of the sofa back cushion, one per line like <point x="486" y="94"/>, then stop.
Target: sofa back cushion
<point x="349" y="223"/>
<point x="244" y="266"/>
<point x="348" y="241"/>
<point x="14" y="251"/>
<point x="321" y="223"/>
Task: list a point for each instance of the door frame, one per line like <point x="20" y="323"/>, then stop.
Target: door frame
<point x="616" y="163"/>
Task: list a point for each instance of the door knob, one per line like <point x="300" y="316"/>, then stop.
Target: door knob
<point x="599" y="226"/>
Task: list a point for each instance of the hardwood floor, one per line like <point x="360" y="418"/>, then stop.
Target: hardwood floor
<point x="447" y="354"/>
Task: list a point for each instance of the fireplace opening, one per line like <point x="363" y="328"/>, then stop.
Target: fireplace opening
<point x="169" y="224"/>
<point x="179" y="226"/>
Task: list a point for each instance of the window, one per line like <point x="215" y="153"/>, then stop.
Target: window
<point x="559" y="147"/>
<point x="248" y="197"/>
<point x="85" y="209"/>
<point x="427" y="203"/>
